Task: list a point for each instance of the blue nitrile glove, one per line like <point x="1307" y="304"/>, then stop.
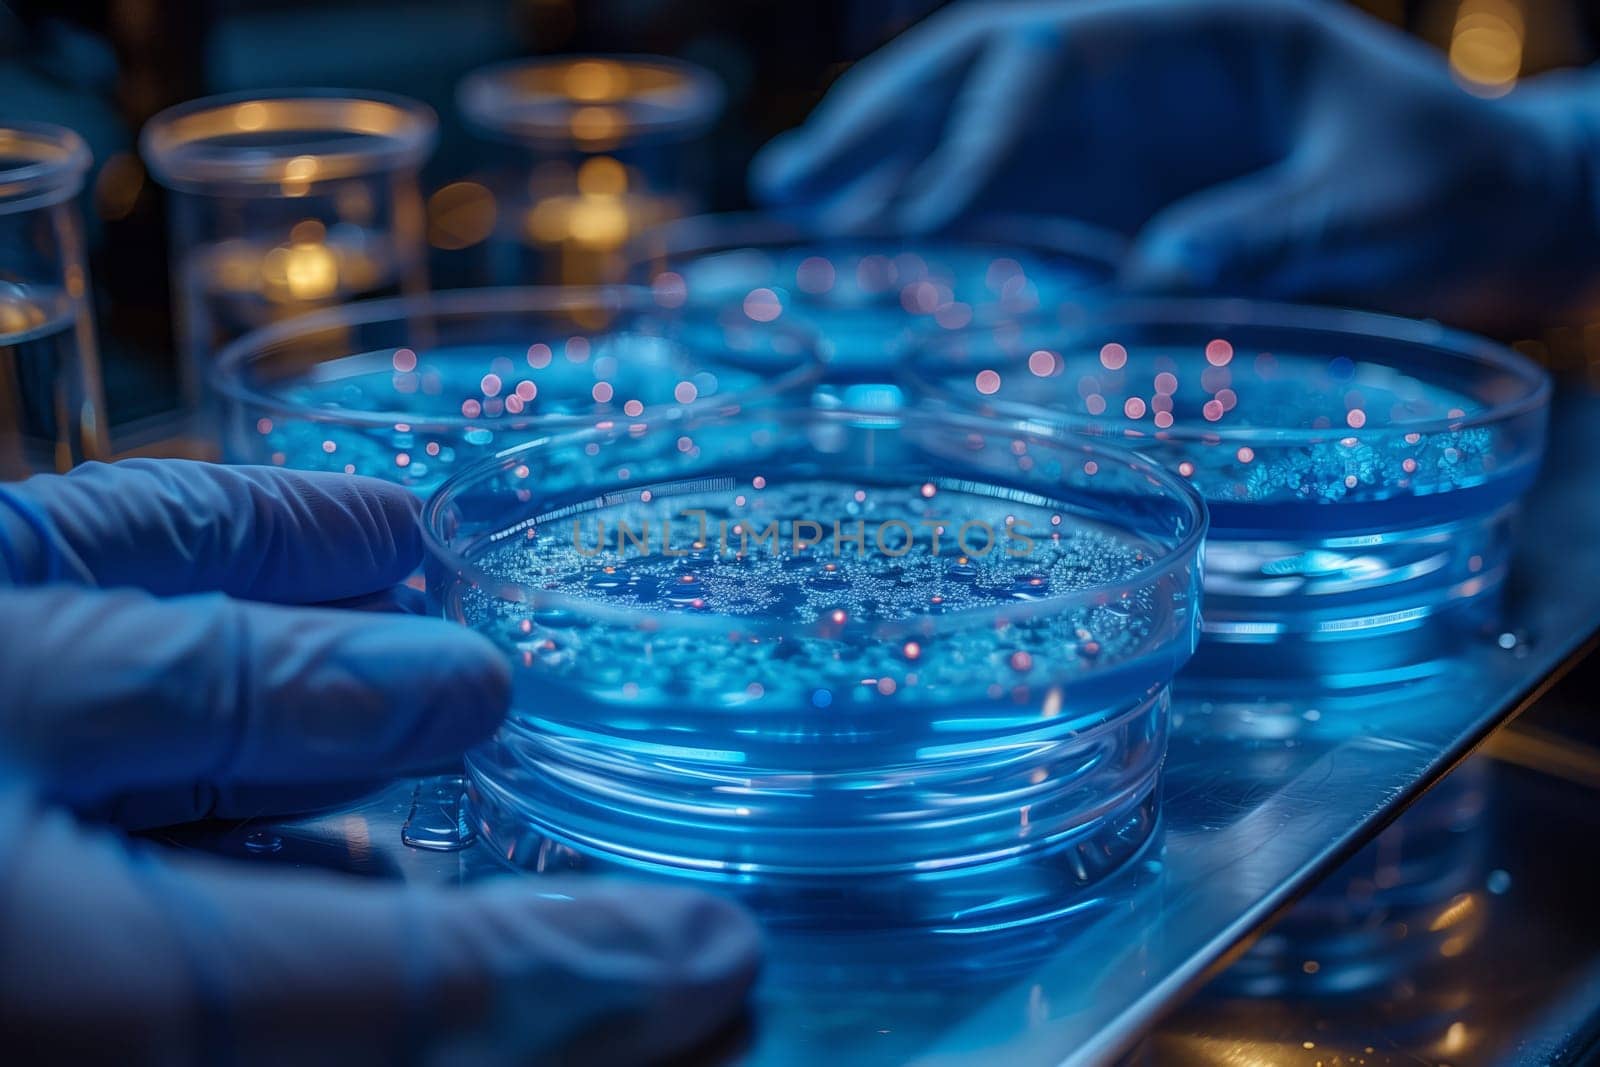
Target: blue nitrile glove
<point x="145" y="679"/>
<point x="1283" y="149"/>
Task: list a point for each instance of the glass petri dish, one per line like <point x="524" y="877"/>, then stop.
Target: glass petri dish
<point x="1362" y="470"/>
<point x="869" y="668"/>
<point x="408" y="389"/>
<point x="866" y="290"/>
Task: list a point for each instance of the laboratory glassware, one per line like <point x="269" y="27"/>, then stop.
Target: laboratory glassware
<point x="286" y="202"/>
<point x="590" y="151"/>
<point x="52" y="403"/>
<point x="410" y="388"/>
<point x="865" y="668"/>
<point x="1363" y="471"/>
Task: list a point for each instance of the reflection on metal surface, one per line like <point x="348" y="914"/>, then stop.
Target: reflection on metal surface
<point x="1499" y="961"/>
<point x="1529" y="746"/>
<point x="1388" y="929"/>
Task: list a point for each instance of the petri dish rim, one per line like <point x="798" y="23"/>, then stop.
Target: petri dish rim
<point x="700" y="235"/>
<point x="397" y="131"/>
<point x="227" y="374"/>
<point x="492" y="101"/>
<point x="1213" y="315"/>
<point x="1185" y="552"/>
<point x="51" y="159"/>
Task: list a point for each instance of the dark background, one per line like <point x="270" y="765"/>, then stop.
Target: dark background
<point x="103" y="67"/>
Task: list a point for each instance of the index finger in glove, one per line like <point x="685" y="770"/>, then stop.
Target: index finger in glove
<point x="116" y="694"/>
<point x="177" y="526"/>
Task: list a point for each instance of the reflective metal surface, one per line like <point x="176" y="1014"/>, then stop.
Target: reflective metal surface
<point x="1465" y="934"/>
<point x="1270" y="786"/>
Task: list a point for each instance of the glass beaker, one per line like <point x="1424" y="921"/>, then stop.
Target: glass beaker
<point x="52" y="405"/>
<point x="285" y="202"/>
<point x="593" y="151"/>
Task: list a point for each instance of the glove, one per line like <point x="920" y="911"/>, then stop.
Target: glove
<point x="1284" y="149"/>
<point x="147" y="676"/>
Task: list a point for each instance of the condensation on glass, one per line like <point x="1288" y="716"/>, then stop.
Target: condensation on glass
<point x="52" y="407"/>
<point x="591" y="151"/>
<point x="287" y="202"/>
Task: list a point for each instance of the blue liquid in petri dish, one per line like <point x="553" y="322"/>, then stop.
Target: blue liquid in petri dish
<point x="1361" y="471"/>
<point x="409" y="390"/>
<point x="867" y="292"/>
<point x="859" y="663"/>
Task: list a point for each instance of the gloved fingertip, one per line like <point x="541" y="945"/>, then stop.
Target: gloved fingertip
<point x="1168" y="262"/>
<point x="675" y="964"/>
<point x="925" y="212"/>
<point x="481" y="693"/>
<point x="454" y="684"/>
<point x="400" y="510"/>
<point x="332" y="536"/>
<point x="710" y="955"/>
<point x="778" y="169"/>
<point x="715" y="942"/>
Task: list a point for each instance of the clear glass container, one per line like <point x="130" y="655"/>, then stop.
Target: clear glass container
<point x="866" y="291"/>
<point x="592" y="151"/>
<point x="1362" y="470"/>
<point x="285" y="203"/>
<point x="410" y="388"/>
<point x="870" y="669"/>
<point x="52" y="404"/>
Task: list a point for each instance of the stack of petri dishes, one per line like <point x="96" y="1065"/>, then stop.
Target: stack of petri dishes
<point x="867" y="669"/>
<point x="864" y="292"/>
<point x="409" y="389"/>
<point x="1362" y="471"/>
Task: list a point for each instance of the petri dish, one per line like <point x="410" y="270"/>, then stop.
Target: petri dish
<point x="867" y="668"/>
<point x="865" y="291"/>
<point x="1362" y="470"/>
<point x="408" y="389"/>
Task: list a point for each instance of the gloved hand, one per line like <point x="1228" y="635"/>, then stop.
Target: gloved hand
<point x="1281" y="149"/>
<point x="146" y="678"/>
